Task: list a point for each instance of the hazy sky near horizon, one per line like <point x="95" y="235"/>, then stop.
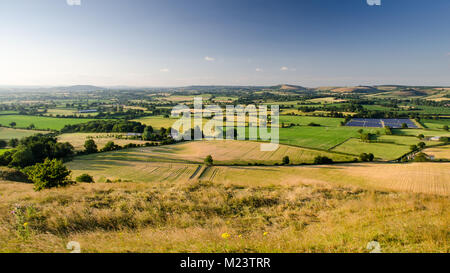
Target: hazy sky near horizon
<point x="224" y="42"/>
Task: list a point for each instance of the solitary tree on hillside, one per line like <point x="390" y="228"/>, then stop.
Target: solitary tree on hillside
<point x="421" y="145"/>
<point x="90" y="146"/>
<point x="445" y="127"/>
<point x="209" y="160"/>
<point x="388" y="130"/>
<point x="148" y="131"/>
<point x="286" y="160"/>
<point x="366" y="137"/>
<point x="13" y="124"/>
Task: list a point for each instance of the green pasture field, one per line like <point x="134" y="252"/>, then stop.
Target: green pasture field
<point x="436" y="124"/>
<point x="8" y="112"/>
<point x="67" y="112"/>
<point x="157" y="121"/>
<point x="377" y="108"/>
<point x="317" y="137"/>
<point x="2" y="151"/>
<point x="384" y="151"/>
<point x="43" y="123"/>
<point x="425" y="109"/>
<point x="10" y="133"/>
<point x="403" y="140"/>
<point x="225" y="99"/>
<point x="305" y="120"/>
<point x="416" y="132"/>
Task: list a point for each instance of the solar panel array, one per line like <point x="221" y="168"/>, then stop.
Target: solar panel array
<point x="379" y="123"/>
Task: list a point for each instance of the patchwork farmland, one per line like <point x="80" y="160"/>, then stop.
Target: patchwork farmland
<point x="232" y="127"/>
<point x="326" y="182"/>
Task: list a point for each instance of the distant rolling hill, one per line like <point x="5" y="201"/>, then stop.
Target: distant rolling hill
<point x="357" y="89"/>
<point x="72" y="88"/>
<point x="78" y="88"/>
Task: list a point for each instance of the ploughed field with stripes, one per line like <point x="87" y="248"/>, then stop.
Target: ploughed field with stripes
<point x="184" y="162"/>
<point x="380" y="123"/>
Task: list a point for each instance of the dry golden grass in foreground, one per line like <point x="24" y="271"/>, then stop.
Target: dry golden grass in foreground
<point x="213" y="217"/>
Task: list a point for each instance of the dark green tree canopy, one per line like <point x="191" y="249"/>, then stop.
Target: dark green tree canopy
<point x="50" y="174"/>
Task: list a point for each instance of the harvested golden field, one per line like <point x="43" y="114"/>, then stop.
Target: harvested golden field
<point x="414" y="177"/>
<point x="226" y="152"/>
<point x="213" y="217"/>
<point x="159" y="166"/>
<point x="429" y="178"/>
<point x="442" y="152"/>
<point x="78" y="139"/>
<point x="243" y="152"/>
<point x="327" y="100"/>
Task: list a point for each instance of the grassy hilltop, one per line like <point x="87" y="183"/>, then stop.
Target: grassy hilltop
<point x="238" y="216"/>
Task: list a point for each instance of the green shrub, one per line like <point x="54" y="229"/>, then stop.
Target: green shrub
<point x="322" y="160"/>
<point x="366" y="157"/>
<point x="313" y="124"/>
<point x="86" y="178"/>
<point x="90" y="147"/>
<point x="209" y="160"/>
<point x="50" y="174"/>
<point x="110" y="146"/>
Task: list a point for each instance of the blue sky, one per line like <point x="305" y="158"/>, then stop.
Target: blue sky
<point x="229" y="42"/>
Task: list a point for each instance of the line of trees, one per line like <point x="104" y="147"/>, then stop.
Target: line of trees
<point x="35" y="149"/>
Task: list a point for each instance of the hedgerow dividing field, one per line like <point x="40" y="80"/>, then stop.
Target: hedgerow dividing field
<point x="78" y="139"/>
